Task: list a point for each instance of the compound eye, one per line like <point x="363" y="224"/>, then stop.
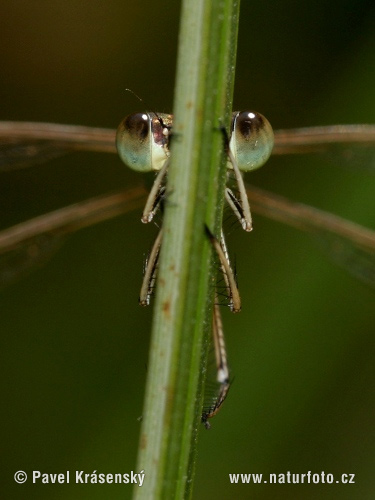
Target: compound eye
<point x="252" y="139"/>
<point x="134" y="142"/>
<point x="137" y="126"/>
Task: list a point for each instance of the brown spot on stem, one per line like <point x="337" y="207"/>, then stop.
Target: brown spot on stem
<point x="166" y="308"/>
<point x="143" y="442"/>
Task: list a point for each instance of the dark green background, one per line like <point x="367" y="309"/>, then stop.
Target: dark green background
<point x="74" y="341"/>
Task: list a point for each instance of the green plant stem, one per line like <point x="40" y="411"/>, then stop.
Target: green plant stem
<point x="195" y="189"/>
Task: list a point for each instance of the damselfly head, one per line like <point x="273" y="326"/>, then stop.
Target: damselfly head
<point x="142" y="140"/>
<point x="251" y="140"/>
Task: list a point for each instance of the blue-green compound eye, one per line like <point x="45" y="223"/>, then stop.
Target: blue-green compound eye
<point x="142" y="140"/>
<point x="251" y="141"/>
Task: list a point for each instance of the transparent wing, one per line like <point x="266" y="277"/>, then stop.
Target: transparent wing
<point x="23" y="144"/>
<point x="351" y="145"/>
<point x="32" y="243"/>
<point x="350" y="245"/>
<point x="346" y="243"/>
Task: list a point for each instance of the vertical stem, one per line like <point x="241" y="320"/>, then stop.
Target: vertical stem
<point x="195" y="191"/>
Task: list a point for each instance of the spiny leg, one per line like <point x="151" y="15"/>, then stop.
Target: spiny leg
<point x="245" y="215"/>
<point x="149" y="276"/>
<point x="156" y="194"/>
<point x="222" y="253"/>
<point x="222" y="369"/>
<point x="235" y="205"/>
<point x="240" y="207"/>
<point x="228" y="282"/>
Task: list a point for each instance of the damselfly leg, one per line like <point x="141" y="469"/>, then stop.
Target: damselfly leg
<point x="222" y="369"/>
<point x="150" y="271"/>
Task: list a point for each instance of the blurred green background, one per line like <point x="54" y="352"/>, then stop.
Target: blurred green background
<point x="74" y="341"/>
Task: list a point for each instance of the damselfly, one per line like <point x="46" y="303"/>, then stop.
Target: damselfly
<point x="143" y="141"/>
<point x="31" y="242"/>
<point x="23" y="144"/>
